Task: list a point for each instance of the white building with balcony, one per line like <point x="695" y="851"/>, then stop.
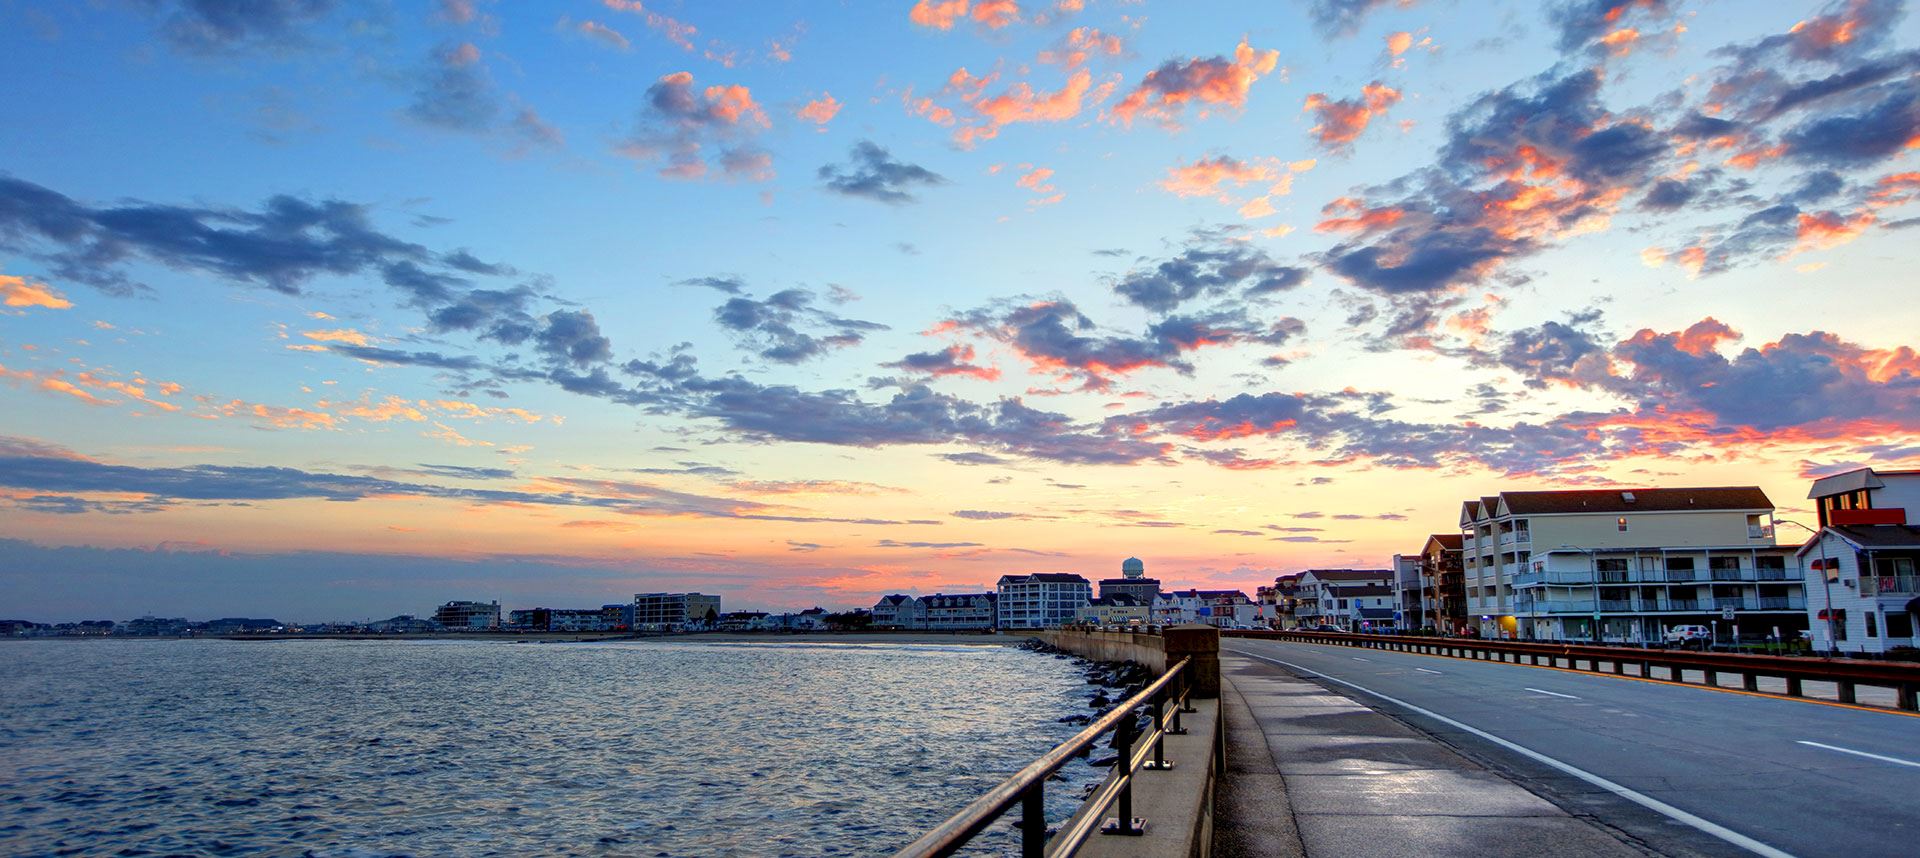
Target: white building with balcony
<point x="1041" y="600"/>
<point x="1862" y="570"/>
<point x="1623" y="566"/>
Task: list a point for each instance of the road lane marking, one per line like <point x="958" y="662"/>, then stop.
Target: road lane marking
<point x="1895" y="760"/>
<point x="1424" y="670"/>
<point x="1553" y="693"/>
<point x="1707" y="826"/>
<point x="1357" y="658"/>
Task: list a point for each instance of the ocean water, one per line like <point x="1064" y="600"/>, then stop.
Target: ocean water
<point x="374" y="748"/>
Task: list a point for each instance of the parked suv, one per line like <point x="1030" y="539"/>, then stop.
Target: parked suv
<point x="1687" y="635"/>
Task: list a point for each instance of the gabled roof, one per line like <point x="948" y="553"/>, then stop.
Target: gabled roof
<point x="1349" y="574"/>
<point x="1448" y="541"/>
<point x="1873" y="536"/>
<point x="1638" y="500"/>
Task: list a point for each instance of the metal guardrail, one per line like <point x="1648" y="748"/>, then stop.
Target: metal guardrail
<point x="1845" y="674"/>
<point x="1027" y="787"/>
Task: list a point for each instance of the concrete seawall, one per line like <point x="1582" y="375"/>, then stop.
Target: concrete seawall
<point x="1178" y="804"/>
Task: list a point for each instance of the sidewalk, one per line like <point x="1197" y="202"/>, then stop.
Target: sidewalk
<point x="1312" y="773"/>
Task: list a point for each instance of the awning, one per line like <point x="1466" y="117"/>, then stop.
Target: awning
<point x="1819" y="565"/>
<point x="1376" y="613"/>
<point x="1913" y="605"/>
<point x="1823" y="614"/>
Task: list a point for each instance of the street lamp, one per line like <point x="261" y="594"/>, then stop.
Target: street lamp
<point x="1826" y="580"/>
<point x="1593" y="570"/>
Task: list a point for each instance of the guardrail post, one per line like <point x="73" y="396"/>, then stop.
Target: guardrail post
<point x="1843" y="688"/>
<point x="1750" y="681"/>
<point x="1909" y="696"/>
<point x="1793" y="686"/>
<point x="1125" y="824"/>
<point x="1033" y="821"/>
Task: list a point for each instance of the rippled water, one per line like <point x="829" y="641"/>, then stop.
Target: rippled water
<point x="492" y="748"/>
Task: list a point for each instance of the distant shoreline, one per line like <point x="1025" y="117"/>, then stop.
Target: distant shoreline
<point x="960" y="638"/>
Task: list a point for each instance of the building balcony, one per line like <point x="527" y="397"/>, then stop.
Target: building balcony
<point x="1889" y="585"/>
<point x="1759" y="531"/>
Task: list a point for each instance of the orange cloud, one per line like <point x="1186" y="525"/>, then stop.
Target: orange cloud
<point x="1358" y="217"/>
<point x="1081" y="44"/>
<point x="1167" y="90"/>
<point x="340" y="335"/>
<point x="1398" y="43"/>
<point x="1021" y="103"/>
<point x="994" y="14"/>
<point x="21" y="292"/>
<point x="1344" y="120"/>
<point x="1620" y="42"/>
<point x="676" y="31"/>
<point x="605" y="34"/>
<point x="820" y="111"/>
<point x="938" y="14"/>
<point x="1826" y="230"/>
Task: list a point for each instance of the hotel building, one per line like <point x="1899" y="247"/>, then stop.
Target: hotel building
<point x="1862" y="570"/>
<point x="1625" y="565"/>
<point x="1041" y="600"/>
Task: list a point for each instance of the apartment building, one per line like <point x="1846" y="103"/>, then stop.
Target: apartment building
<point x="1118" y="609"/>
<point x="1625" y="565"/>
<point x="1326" y="596"/>
<point x="1041" y="600"/>
<point x="468" y="616"/>
<point x="1862" y="569"/>
<point x="674" y="612"/>
<point x="898" y="611"/>
<point x="1444" y="608"/>
<point x="958" y="612"/>
<point x="1409" y="592"/>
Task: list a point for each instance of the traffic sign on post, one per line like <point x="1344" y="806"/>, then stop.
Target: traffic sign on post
<point x="1726" y="613"/>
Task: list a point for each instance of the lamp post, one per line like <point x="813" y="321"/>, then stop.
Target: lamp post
<point x="1593" y="571"/>
<point x="1826" y="580"/>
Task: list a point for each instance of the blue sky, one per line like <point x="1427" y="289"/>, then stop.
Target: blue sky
<point x="775" y="299"/>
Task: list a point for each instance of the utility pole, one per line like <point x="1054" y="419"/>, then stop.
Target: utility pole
<point x="1826" y="580"/>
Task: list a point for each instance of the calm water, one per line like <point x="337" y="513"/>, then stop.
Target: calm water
<point x="491" y="748"/>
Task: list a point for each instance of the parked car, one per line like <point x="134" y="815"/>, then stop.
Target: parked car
<point x="1324" y="627"/>
<point x="1688" y="635"/>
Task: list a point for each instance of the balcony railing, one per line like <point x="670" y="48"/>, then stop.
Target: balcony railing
<point x="1759" y="531"/>
<point x="1723" y="574"/>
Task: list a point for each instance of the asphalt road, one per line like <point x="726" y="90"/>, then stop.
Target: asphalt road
<point x="1746" y="765"/>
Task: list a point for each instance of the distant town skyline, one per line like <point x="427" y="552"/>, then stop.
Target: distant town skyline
<point x="344" y="309"/>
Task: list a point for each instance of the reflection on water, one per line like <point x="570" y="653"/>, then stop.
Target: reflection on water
<point x="480" y="748"/>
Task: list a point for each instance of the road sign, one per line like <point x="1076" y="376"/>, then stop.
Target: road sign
<point x="1726" y="613"/>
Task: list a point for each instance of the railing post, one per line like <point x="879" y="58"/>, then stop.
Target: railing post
<point x="1159" y="762"/>
<point x="1844" y="690"/>
<point x="1750" y="681"/>
<point x="1793" y="686"/>
<point x="1033" y="821"/>
<point x="1125" y="824"/>
<point x="1909" y="696"/>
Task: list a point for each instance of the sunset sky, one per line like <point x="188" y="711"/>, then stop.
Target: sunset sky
<point x="323" y="309"/>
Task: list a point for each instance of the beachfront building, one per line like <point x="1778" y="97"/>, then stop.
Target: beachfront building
<point x="672" y="612"/>
<point x="1409" y="592"/>
<point x="1444" y="607"/>
<point x="1626" y="565"/>
<point x="899" y="611"/>
<point x="1862" y="570"/>
<point x="561" y="619"/>
<point x="1222" y="608"/>
<point x="468" y="616"/>
<point x="742" y="621"/>
<point x="961" y="612"/>
<point x="1326" y="596"/>
<point x="1118" y="609"/>
<point x="1040" y="600"/>
<point x="1133" y="581"/>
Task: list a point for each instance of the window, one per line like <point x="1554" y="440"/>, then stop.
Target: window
<point x="1873" y="626"/>
<point x="1770" y="563"/>
<point x="1900" y="625"/>
<point x="1623" y="524"/>
<point x="1840" y="624"/>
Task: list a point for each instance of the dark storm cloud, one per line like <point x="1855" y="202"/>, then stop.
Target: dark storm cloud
<point x="872" y="173"/>
<point x="1210" y="266"/>
<point x="773" y="327"/>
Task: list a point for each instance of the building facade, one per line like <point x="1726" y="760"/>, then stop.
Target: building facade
<point x="1133" y="582"/>
<point x="961" y="612"/>
<point x="468" y="616"/>
<point x="1409" y="592"/>
<point x="1445" y="604"/>
<point x="673" y="612"/>
<point x="1326" y="596"/>
<point x="1625" y="566"/>
<point x="898" y="611"/>
<point x="1861" y="570"/>
<point x="1041" y="600"/>
<point x="1119" y="609"/>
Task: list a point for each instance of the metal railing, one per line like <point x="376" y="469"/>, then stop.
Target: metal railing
<point x="1027" y="787"/>
<point x="1845" y="674"/>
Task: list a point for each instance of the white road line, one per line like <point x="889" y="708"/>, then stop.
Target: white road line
<point x="1357" y="658"/>
<point x="1895" y="760"/>
<point x="1712" y="828"/>
<point x="1552" y="693"/>
<point x="1424" y="670"/>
